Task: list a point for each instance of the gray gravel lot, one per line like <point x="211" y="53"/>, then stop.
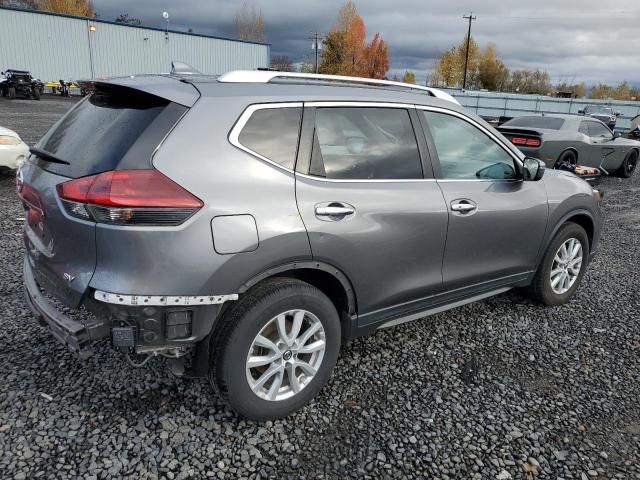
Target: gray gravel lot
<point x="555" y="396"/>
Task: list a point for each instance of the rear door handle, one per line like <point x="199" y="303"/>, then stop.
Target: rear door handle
<point x="334" y="211"/>
<point x="463" y="207"/>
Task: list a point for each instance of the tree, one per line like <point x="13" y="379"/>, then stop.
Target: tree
<point x="530" y="81"/>
<point x="449" y="70"/>
<point x="249" y="23"/>
<point x="80" y="8"/>
<point x="375" y="61"/>
<point x="345" y="51"/>
<point x="282" y="63"/>
<point x="333" y="53"/>
<point x="409" y="77"/>
<point x="492" y="73"/>
<point x="127" y="20"/>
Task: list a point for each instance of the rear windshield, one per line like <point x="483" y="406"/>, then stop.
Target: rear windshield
<point x="97" y="133"/>
<point x="549" y="123"/>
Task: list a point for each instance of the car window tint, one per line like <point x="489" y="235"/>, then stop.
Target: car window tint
<point x="465" y="152"/>
<point x="365" y="143"/>
<point x="584" y="128"/>
<point x="273" y="133"/>
<point x="598" y="130"/>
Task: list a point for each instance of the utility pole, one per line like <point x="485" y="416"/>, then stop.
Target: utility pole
<point x="316" y="47"/>
<point x="466" y="58"/>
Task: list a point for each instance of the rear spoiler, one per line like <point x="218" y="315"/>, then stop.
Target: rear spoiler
<point x="519" y="131"/>
<point x="163" y="86"/>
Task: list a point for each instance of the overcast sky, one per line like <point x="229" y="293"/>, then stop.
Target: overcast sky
<point x="574" y="40"/>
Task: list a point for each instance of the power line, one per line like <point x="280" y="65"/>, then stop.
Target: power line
<point x="471" y="18"/>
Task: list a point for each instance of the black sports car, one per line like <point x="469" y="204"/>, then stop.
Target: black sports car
<point x="605" y="114"/>
<point x="561" y="140"/>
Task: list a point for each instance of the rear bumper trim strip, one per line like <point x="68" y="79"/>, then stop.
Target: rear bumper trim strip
<point x="72" y="333"/>
<point x="162" y="300"/>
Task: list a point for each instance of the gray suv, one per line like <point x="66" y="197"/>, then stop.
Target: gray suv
<point x="243" y="227"/>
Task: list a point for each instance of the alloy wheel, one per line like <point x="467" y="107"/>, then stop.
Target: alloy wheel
<point x="566" y="266"/>
<point x="285" y="355"/>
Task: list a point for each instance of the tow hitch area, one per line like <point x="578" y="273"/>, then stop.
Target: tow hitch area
<point x="123" y="337"/>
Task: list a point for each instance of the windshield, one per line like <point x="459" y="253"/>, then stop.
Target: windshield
<point x="598" y="109"/>
<point x="549" y="123"/>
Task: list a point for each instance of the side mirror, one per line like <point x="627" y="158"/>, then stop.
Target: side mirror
<point x="581" y="111"/>
<point x="533" y="169"/>
<point x="616" y="135"/>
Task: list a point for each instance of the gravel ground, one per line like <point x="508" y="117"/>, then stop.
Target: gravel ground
<point x="499" y="389"/>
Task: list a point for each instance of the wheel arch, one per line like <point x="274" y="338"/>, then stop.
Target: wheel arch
<point x="327" y="278"/>
<point x="584" y="218"/>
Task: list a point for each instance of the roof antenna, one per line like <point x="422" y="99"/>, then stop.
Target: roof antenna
<point x="181" y="68"/>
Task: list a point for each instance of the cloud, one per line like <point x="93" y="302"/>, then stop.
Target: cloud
<point x="581" y="40"/>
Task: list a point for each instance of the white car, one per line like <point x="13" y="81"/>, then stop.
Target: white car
<point x="13" y="151"/>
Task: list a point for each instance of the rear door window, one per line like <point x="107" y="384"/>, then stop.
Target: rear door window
<point x="97" y="133"/>
<point x="272" y="133"/>
<point x="365" y="143"/>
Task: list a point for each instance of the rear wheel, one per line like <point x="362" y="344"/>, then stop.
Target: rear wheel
<point x="12" y="92"/>
<point x="36" y="94"/>
<point x="275" y="349"/>
<point x="629" y="165"/>
<point x="568" y="156"/>
<point x="562" y="266"/>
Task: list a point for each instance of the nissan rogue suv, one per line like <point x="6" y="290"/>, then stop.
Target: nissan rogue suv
<point x="245" y="226"/>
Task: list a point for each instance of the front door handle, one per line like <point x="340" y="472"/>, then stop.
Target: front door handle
<point x="333" y="211"/>
<point x="463" y="207"/>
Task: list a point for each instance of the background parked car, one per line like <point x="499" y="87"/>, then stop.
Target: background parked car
<point x="13" y="150"/>
<point x="20" y="83"/>
<point x="573" y="139"/>
<point x="605" y="114"/>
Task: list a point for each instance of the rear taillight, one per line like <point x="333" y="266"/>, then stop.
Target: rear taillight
<point x="526" y="142"/>
<point x="128" y="197"/>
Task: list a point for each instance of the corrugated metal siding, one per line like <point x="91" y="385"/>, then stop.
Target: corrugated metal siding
<point x="55" y="47"/>
<point x="497" y="104"/>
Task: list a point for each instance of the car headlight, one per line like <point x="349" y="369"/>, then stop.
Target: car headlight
<point x="8" y="140"/>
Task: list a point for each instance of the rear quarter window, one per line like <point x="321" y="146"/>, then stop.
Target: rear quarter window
<point x="273" y="133"/>
<point x="98" y="132"/>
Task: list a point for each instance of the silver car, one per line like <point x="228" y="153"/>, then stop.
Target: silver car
<point x="245" y="226"/>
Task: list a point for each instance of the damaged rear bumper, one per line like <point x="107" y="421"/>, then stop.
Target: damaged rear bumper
<point x="76" y="335"/>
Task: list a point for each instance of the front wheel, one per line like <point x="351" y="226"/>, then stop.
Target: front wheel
<point x="36" y="94"/>
<point x="275" y="349"/>
<point x="562" y="266"/>
<point x="12" y="92"/>
<point x="629" y="165"/>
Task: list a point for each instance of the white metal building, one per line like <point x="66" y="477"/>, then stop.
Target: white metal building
<point x="54" y="47"/>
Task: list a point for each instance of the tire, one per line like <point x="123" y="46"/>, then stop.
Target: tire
<point x="12" y="92"/>
<point x="628" y="165"/>
<point x="36" y="94"/>
<point x="256" y="313"/>
<point x="542" y="290"/>
<point x="567" y="156"/>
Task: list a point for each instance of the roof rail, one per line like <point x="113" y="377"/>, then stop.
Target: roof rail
<point x="263" y="76"/>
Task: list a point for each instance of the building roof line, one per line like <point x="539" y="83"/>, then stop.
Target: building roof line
<point x="109" y="22"/>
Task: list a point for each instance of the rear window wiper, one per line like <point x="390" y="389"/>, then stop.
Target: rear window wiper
<point x="46" y="156"/>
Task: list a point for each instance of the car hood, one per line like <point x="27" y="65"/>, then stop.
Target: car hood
<point x="9" y="133"/>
